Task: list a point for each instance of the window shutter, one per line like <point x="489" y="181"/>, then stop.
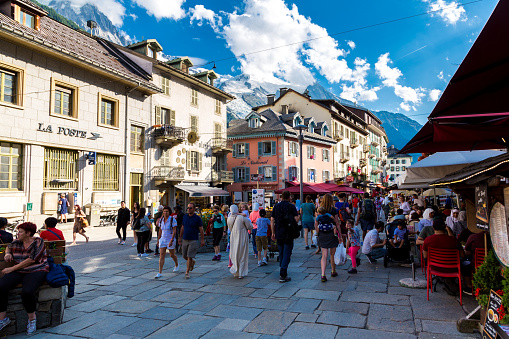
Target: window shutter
<point x="273" y="148"/>
<point x="323" y="176"/>
<point x="200" y="161"/>
<point x="323" y="155"/>
<point x="260" y="149"/>
<point x="248" y="176"/>
<point x="246" y="149"/>
<point x="235" y="177"/>
<point x="297" y="148"/>
<point x="260" y="170"/>
<point x="274" y="173"/>
<point x="287" y="174"/>
<point x="309" y="175"/>
<point x="309" y="151"/>
<point x="289" y="148"/>
<point x="172" y="118"/>
<point x="234" y="153"/>
<point x="37" y="22"/>
<point x="298" y="174"/>
<point x="158" y="115"/>
<point x="188" y="160"/>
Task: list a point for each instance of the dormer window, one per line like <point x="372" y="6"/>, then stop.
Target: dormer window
<point x="312" y="127"/>
<point x="25" y="18"/>
<point x="297" y="121"/>
<point x="324" y="130"/>
<point x="254" y="123"/>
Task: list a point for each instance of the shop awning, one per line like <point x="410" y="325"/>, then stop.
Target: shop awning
<point x="203" y="191"/>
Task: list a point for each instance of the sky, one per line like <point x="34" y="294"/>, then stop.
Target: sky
<point x="389" y="55"/>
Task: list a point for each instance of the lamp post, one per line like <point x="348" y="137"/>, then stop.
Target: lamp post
<point x="300" y="128"/>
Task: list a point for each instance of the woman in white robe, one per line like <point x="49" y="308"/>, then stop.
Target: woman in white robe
<point x="239" y="225"/>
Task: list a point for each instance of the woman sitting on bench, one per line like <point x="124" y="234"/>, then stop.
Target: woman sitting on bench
<point x="28" y="255"/>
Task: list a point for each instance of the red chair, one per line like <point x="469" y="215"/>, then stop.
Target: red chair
<point x="422" y="260"/>
<point x="479" y="255"/>
<point x="443" y="263"/>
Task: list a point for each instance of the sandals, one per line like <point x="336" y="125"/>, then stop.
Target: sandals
<point x="324" y="278"/>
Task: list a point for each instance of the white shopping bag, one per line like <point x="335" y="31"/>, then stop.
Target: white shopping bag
<point x="340" y="256"/>
<point x="314" y="240"/>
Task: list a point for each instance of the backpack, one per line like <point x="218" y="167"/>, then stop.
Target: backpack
<point x="56" y="276"/>
<point x="292" y="225"/>
<point x="367" y="209"/>
<point x="343" y="213"/>
<point x="325" y="223"/>
<point x="137" y="224"/>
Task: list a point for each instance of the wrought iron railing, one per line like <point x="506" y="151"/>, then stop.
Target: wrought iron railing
<point x="222" y="143"/>
<point x="168" y="173"/>
<point x="222" y="176"/>
<point x="169" y="131"/>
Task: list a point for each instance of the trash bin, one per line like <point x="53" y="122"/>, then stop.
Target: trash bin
<point x="93" y="212"/>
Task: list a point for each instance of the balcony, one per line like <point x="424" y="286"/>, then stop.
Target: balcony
<point x="379" y="158"/>
<point x="354" y="142"/>
<point x="339" y="175"/>
<point x="366" y="148"/>
<point x="384" y="149"/>
<point x="371" y="156"/>
<point x="222" y="177"/>
<point x="167" y="174"/>
<point x="169" y="136"/>
<point x="375" y="143"/>
<point x="221" y="146"/>
<point x="362" y="162"/>
<point x="377" y="170"/>
<point x="344" y="157"/>
<point x="338" y="136"/>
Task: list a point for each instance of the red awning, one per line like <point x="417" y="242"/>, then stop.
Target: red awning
<point x="307" y="189"/>
<point x="473" y="110"/>
<point x="327" y="186"/>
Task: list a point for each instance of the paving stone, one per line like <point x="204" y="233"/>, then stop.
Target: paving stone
<point x="178" y="297"/>
<point x="356" y="333"/>
<point x="440" y="306"/>
<point x="378" y="298"/>
<point x="271" y="322"/>
<point x="306" y="331"/>
<point x="314" y="294"/>
<point x="210" y="300"/>
<point x="79" y="323"/>
<point x="143" y="327"/>
<point x="307" y="318"/>
<point x="342" y="319"/>
<point x="150" y="294"/>
<point x="285" y="292"/>
<point x="138" y="289"/>
<point x="105" y="327"/>
<point x="187" y="326"/>
<point x="221" y="333"/>
<point x="407" y="291"/>
<point x="97" y="303"/>
<point x="363" y="286"/>
<point x="232" y="324"/>
<point x="233" y="290"/>
<point x="262" y="293"/>
<point x="269" y="304"/>
<point x="232" y="281"/>
<point x="304" y="306"/>
<point x="344" y="306"/>
<point x="131" y="306"/>
<point x="443" y="327"/>
<point x="236" y="312"/>
<point x="119" y="336"/>
<point x="424" y="335"/>
<point x="391" y="318"/>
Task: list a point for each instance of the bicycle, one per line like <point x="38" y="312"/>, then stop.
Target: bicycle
<point x="12" y="226"/>
<point x="109" y="219"/>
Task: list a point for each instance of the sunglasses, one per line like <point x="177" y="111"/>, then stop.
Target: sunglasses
<point x="190" y="208"/>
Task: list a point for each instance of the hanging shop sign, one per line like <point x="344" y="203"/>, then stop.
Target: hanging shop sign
<point x="481" y="206"/>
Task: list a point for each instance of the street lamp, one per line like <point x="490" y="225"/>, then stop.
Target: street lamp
<point x="300" y="128"/>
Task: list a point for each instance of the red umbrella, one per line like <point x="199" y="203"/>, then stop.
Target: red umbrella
<point x="350" y="190"/>
<point x="327" y="186"/>
<point x="306" y="190"/>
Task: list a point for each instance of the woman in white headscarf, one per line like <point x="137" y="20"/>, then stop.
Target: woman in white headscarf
<point x="453" y="219"/>
<point x="427" y="218"/>
<point x="239" y="225"/>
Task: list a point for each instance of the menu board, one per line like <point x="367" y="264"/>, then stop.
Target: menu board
<point x="499" y="234"/>
<point x="481" y="205"/>
<point x="492" y="329"/>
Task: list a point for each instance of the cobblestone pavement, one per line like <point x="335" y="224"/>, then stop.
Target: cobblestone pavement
<point x="118" y="297"/>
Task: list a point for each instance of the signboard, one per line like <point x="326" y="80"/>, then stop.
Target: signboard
<point x="30" y="205"/>
<point x="481" y="205"/>
<point x="491" y="325"/>
<point x="257" y="177"/>
<point x="91" y="158"/>
<point x="349" y="178"/>
<point x="259" y="197"/>
<point x="499" y="233"/>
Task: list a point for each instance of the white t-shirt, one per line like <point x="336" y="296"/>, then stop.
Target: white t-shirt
<point x="370" y="239"/>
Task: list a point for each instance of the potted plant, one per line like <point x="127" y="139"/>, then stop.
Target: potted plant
<point x="487" y="278"/>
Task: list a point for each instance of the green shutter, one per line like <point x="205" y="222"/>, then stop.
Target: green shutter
<point x="234" y="153"/>
<point x="260" y="149"/>
<point x="274" y="173"/>
<point x="248" y="176"/>
<point x="260" y="170"/>
<point x="246" y="149"/>
<point x="235" y="179"/>
<point x="273" y="148"/>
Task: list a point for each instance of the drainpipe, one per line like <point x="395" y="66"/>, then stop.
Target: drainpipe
<point x="126" y="137"/>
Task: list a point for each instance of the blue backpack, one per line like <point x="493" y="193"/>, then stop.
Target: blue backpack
<point x="61" y="275"/>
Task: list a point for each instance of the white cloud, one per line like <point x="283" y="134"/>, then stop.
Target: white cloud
<point x="450" y="12"/>
<point x="388" y="74"/>
<point x="113" y="9"/>
<point x="134" y="16"/>
<point x="441" y="76"/>
<point x="169" y="9"/>
<point x="351" y="44"/>
<point x="405" y="106"/>
<point x="434" y="94"/>
<point x="359" y="90"/>
<point x="199" y="13"/>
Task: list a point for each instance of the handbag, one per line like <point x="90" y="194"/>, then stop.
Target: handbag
<point x="137" y="224"/>
<point x="84" y="222"/>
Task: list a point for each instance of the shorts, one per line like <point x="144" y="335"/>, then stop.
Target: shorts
<point x="165" y="243"/>
<point x="189" y="248"/>
<point x="310" y="225"/>
<point x="262" y="243"/>
<point x="217" y="235"/>
<point x="367" y="225"/>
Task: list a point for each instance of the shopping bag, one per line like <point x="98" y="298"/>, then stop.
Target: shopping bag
<point x="314" y="240"/>
<point x="340" y="256"/>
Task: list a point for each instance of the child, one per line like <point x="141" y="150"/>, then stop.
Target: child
<point x="327" y="229"/>
<point x="353" y="244"/>
<point x="261" y="237"/>
<point x="399" y="215"/>
<point x="399" y="234"/>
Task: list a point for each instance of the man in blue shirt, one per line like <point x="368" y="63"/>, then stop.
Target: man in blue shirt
<point x="192" y="227"/>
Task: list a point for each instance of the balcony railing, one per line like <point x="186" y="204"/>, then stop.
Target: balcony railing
<point x="338" y="136"/>
<point x="377" y="170"/>
<point x="371" y="155"/>
<point x="344" y="157"/>
<point x="168" y="135"/>
<point x="375" y="143"/>
<point x="362" y="162"/>
<point x="222" y="145"/>
<point x="168" y="173"/>
<point x="366" y="148"/>
<point x="354" y="142"/>
<point x="384" y="149"/>
<point x="222" y="176"/>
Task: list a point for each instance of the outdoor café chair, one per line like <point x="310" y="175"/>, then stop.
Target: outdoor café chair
<point x="443" y="263"/>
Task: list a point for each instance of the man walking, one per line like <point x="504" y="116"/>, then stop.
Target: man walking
<point x="282" y="214"/>
<point x="191" y="228"/>
<point x="124" y="215"/>
<point x="366" y="215"/>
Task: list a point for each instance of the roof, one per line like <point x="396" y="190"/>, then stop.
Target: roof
<point x="32" y="5"/>
<point x="494" y="164"/>
<point x="68" y="42"/>
<point x="404" y="155"/>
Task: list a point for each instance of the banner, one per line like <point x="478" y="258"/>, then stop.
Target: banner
<point x="481" y="205"/>
<point x="258" y="196"/>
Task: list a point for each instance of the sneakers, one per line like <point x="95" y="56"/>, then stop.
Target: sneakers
<point x="353" y="271"/>
<point x="156" y="254"/>
<point x="122" y="242"/>
<point x="259" y="263"/>
<point x="4" y="322"/>
<point x="31" y="327"/>
<point x="324" y="278"/>
<point x="284" y="279"/>
<point x="187" y="276"/>
<point x="370" y="259"/>
<point x="133" y="245"/>
<point x="215" y="258"/>
<point x="334" y="274"/>
<point x="144" y="255"/>
<point x="307" y="247"/>
<point x="313" y="246"/>
<point x="119" y="241"/>
<point x="158" y="275"/>
<point x="264" y="262"/>
<point x="176" y="269"/>
<point x="358" y="261"/>
<point x="218" y="257"/>
<point x="139" y="254"/>
<point x="149" y="251"/>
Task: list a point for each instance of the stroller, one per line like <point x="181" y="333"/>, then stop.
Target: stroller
<point x="397" y="255"/>
<point x="273" y="248"/>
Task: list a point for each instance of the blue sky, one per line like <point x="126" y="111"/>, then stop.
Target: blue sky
<point x="401" y="67"/>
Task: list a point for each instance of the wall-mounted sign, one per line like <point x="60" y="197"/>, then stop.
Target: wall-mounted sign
<point x="481" y="205"/>
<point x="258" y="195"/>
<point x="349" y="178"/>
<point x="257" y="177"/>
<point x="91" y="156"/>
<point x="136" y="170"/>
<point x="71" y="132"/>
<point x="244" y="162"/>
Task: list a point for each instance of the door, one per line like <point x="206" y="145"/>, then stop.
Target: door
<point x="136" y="191"/>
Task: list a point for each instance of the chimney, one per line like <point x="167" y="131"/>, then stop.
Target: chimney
<point x="284" y="109"/>
<point x="282" y="91"/>
<point x="270" y="99"/>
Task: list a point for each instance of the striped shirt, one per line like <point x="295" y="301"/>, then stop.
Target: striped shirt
<point x="36" y="251"/>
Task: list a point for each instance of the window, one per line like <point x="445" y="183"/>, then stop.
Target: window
<point x="297" y="121"/>
<point x="324" y="130"/>
<point x="194" y="123"/>
<point x="106" y="173"/>
<point x="266" y="148"/>
<point x="403" y="161"/>
<point x="311" y="152"/>
<point x="241" y="150"/>
<point x="218" y="131"/>
<point x="311" y="175"/>
<point x="194" y="97"/>
<point x="293" y="173"/>
<point x="64" y="99"/>
<point x="253" y="123"/>
<point x="240" y="174"/>
<point x="164" y="158"/>
<point x="137" y="139"/>
<point x="293" y="149"/>
<point x="194" y="161"/>
<point x="403" y="168"/>
<point x="165" y="85"/>
<point x="326" y="175"/>
<point x="397" y="168"/>
<point x="108" y="108"/>
<point x="11" y="158"/>
<point x="165" y="116"/>
<point x="392" y="161"/>
<point x="60" y="169"/>
<point x="325" y="155"/>
<point x="11" y="84"/>
<point x="269" y="172"/>
<point x="392" y="168"/>
<point x="397" y="162"/>
<point x="25" y="18"/>
<point x="311" y="127"/>
<point x="218" y="107"/>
